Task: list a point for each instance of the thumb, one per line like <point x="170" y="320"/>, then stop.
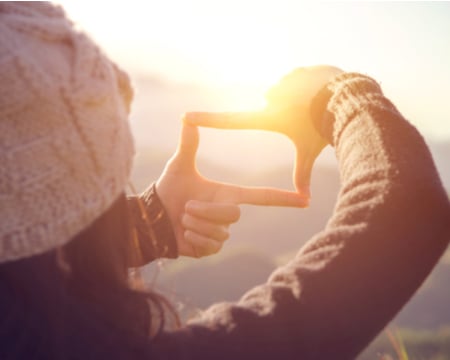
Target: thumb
<point x="305" y="157"/>
<point x="188" y="144"/>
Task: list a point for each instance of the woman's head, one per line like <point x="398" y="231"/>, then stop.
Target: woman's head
<point x="66" y="152"/>
<point x="65" y="144"/>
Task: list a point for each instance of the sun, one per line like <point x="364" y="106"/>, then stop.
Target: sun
<point x="242" y="46"/>
<point x="248" y="63"/>
<point x="236" y="49"/>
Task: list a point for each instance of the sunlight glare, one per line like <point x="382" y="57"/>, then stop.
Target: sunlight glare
<point x="244" y="47"/>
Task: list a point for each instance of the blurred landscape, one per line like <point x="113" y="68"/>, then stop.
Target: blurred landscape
<point x="265" y="236"/>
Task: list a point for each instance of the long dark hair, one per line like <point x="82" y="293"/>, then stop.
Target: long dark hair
<point x="76" y="302"/>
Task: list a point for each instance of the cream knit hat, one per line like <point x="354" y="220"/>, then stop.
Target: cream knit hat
<point x="65" y="145"/>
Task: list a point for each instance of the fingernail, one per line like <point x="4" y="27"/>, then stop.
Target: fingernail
<point x="189" y="116"/>
<point x="305" y="195"/>
<point x="304" y="201"/>
<point x="305" y="192"/>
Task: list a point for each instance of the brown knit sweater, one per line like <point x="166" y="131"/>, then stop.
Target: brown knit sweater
<point x="390" y="225"/>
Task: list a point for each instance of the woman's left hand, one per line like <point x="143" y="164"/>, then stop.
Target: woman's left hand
<point x="201" y="210"/>
<point x="288" y="112"/>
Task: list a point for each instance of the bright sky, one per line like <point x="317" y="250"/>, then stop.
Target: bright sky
<point x="251" y="43"/>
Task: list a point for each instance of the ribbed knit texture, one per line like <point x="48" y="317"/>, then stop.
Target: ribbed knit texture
<point x="65" y="145"/>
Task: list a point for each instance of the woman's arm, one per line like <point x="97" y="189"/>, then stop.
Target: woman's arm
<point x="390" y="226"/>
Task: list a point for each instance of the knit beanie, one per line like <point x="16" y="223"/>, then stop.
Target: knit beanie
<point x="66" y="148"/>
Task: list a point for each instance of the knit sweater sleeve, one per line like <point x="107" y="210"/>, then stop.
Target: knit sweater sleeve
<point x="389" y="228"/>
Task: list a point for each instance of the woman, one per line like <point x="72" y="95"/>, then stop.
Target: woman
<point x="68" y="238"/>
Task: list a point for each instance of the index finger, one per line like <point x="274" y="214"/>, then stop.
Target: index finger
<point x="266" y="196"/>
<point x="259" y="120"/>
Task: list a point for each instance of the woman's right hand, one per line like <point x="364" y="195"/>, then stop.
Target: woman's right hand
<point x="288" y="112"/>
<point x="201" y="210"/>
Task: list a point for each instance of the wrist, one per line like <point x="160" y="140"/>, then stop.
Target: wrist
<point x="321" y="118"/>
<point x="340" y="100"/>
<point x="159" y="222"/>
<point x="155" y="234"/>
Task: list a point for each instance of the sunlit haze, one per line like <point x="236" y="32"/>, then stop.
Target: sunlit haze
<point x="244" y="46"/>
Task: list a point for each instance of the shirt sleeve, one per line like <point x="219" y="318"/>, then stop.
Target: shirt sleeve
<point x="389" y="228"/>
<point x="153" y="235"/>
